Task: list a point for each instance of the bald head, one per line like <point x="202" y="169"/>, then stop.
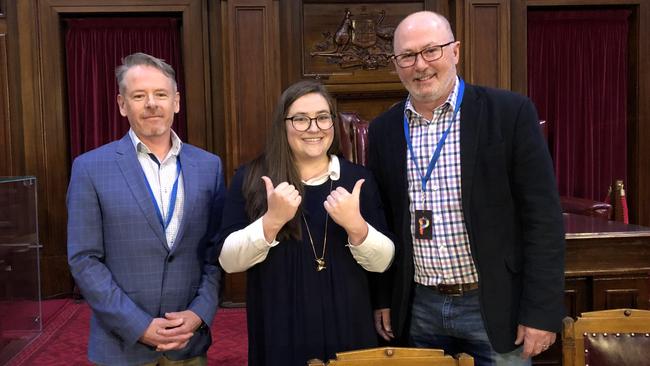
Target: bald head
<point x="429" y="20"/>
<point x="426" y="56"/>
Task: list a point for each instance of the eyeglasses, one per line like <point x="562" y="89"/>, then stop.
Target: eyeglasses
<point x="431" y="53"/>
<point x="302" y="123"/>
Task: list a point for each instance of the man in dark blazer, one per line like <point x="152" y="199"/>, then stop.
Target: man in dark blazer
<point x="142" y="215"/>
<point x="471" y="196"/>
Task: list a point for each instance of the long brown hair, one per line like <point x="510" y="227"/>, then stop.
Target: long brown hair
<point x="277" y="162"/>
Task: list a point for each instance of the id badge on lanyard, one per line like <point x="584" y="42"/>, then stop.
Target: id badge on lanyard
<point x="424" y="218"/>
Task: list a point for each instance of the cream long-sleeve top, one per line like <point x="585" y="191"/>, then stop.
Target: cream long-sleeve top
<point x="246" y="247"/>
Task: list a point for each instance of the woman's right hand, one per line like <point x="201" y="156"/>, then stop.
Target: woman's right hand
<point x="282" y="203"/>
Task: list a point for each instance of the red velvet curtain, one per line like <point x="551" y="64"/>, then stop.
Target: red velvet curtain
<point x="94" y="48"/>
<point x="577" y="77"/>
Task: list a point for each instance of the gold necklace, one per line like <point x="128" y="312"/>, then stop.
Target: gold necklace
<point x="320" y="262"/>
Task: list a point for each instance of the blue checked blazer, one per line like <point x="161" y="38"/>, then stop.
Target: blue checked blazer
<point x="118" y="255"/>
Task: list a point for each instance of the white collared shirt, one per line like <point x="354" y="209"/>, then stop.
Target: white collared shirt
<point x="245" y="248"/>
<point x="161" y="177"/>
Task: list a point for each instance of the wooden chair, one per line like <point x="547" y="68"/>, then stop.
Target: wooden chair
<point x="617" y="337"/>
<point x="395" y="356"/>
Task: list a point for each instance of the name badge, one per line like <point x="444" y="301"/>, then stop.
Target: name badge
<point x="423" y="227"/>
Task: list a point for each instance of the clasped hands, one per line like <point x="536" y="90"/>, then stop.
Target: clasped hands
<point x="173" y="332"/>
<point x="284" y="199"/>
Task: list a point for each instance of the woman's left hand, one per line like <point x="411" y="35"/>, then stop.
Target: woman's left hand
<point x="343" y="207"/>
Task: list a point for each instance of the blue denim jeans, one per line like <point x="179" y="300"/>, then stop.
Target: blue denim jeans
<point x="454" y="324"/>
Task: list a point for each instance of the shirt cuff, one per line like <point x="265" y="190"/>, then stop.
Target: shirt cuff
<point x="375" y="253"/>
<point x="255" y="232"/>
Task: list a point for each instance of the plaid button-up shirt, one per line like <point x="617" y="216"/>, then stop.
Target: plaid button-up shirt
<point x="447" y="257"/>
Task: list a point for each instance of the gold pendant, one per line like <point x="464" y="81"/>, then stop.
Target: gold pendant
<point x="320" y="264"/>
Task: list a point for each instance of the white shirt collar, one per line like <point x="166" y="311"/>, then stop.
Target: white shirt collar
<point x="143" y="148"/>
<point x="333" y="173"/>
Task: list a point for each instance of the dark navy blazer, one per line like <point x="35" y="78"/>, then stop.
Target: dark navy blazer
<point x="511" y="209"/>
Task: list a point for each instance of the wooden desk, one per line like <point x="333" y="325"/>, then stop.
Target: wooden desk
<point x="607" y="267"/>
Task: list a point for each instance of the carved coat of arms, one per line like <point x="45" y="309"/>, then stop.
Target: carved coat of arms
<point x="360" y="41"/>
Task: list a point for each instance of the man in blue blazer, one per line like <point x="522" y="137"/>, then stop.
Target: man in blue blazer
<point x="142" y="214"/>
<point x="470" y="193"/>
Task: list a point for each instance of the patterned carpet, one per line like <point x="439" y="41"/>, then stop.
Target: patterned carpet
<point x="65" y="335"/>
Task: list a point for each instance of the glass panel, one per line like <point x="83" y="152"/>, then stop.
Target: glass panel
<point x="20" y="299"/>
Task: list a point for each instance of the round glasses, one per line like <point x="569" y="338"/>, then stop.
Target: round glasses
<point x="431" y="53"/>
<point x="302" y="123"/>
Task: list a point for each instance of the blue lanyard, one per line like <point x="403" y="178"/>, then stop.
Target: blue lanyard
<point x="441" y="142"/>
<point x="172" y="199"/>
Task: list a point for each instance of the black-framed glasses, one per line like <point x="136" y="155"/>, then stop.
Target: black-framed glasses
<point x="300" y="122"/>
<point x="430" y="53"/>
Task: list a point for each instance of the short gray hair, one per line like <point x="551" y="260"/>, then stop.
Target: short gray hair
<point x="142" y="59"/>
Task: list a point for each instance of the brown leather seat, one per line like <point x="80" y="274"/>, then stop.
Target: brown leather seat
<point x="396" y="356"/>
<point x="607" y="338"/>
<point x="586" y="207"/>
<point x="353" y="137"/>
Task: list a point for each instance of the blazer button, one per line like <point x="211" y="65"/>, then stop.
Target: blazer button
<point x="170" y="258"/>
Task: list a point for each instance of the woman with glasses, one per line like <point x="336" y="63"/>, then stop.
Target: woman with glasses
<point x="309" y="229"/>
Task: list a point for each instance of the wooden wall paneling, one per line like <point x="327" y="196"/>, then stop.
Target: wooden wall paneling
<point x="621" y="292"/>
<point x="252" y="87"/>
<point x="5" y="120"/>
<point x="252" y="76"/>
<point x="367" y="106"/>
<point x="3" y="6"/>
<point x="577" y="295"/>
<point x="518" y="47"/>
<point x="217" y="95"/>
<point x="639" y="90"/>
<point x="49" y="159"/>
<point x="14" y="91"/>
<point x="486" y="42"/>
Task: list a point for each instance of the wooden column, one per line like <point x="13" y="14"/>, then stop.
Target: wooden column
<point x="252" y="87"/>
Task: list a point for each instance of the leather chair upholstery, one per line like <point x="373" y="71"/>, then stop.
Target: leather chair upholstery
<point x="587" y="207"/>
<point x="617" y="349"/>
<point x="353" y="137"/>
<point x="607" y="338"/>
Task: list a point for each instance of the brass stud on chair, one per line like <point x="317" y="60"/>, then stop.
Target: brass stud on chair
<point x="618" y="334"/>
<point x="389" y="352"/>
<point x="604" y="334"/>
<point x="632" y="334"/>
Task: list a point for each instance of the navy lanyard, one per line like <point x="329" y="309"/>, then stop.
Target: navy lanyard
<point x="172" y="199"/>
<point x="441" y="142"/>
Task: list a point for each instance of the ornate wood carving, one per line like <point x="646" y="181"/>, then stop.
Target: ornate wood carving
<point x="360" y="41"/>
<point x="351" y="43"/>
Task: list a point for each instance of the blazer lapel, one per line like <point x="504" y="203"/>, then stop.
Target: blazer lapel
<point x="190" y="187"/>
<point x="128" y="162"/>
<point x="470" y="127"/>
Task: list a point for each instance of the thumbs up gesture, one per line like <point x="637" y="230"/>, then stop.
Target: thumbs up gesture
<point x="343" y="207"/>
<point x="282" y="203"/>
